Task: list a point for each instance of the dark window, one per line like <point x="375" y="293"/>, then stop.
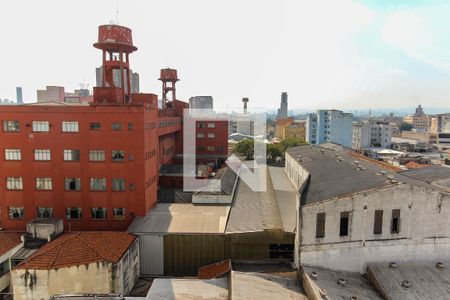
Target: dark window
<point x="11" y="126"/>
<point x="15" y="213"/>
<point x="118" y="184"/>
<point x="73" y="213"/>
<point x="320" y="225"/>
<point x="119" y="213"/>
<point x="118" y="155"/>
<point x="281" y="251"/>
<point x="395" y="225"/>
<point x="343" y="231"/>
<point x="378" y="222"/>
<point x="95" y="126"/>
<point x="44" y="212"/>
<point x="72" y="184"/>
<point x="116" y="126"/>
<point x="98" y="213"/>
<point x="130" y="126"/>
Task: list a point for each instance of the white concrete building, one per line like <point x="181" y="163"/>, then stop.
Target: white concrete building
<point x="372" y="134"/>
<point x="332" y="126"/>
<point x="354" y="212"/>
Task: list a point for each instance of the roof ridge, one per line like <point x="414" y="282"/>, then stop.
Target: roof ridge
<point x="92" y="248"/>
<point x="56" y="255"/>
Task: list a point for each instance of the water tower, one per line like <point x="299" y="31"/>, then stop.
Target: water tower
<point x="169" y="78"/>
<point x="116" y="44"/>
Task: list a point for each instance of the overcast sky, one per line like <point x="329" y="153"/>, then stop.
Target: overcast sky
<point x="326" y="54"/>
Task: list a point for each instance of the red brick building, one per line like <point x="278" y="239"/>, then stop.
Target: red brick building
<point x="95" y="166"/>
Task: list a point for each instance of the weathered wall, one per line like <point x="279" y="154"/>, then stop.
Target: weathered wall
<point x="126" y="271"/>
<point x="424" y="228"/>
<point x="4" y="280"/>
<point x="92" y="278"/>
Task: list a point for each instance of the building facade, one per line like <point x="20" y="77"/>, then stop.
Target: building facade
<point x="329" y="126"/>
<point x="201" y="102"/>
<point x="283" y="110"/>
<point x="372" y="134"/>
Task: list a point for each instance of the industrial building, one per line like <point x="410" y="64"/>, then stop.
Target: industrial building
<point x="329" y="126"/>
<point x="356" y="212"/>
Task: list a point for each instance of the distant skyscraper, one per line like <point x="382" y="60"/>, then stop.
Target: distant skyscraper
<point x="283" y="110"/>
<point x="201" y="102"/>
<point x="19" y="97"/>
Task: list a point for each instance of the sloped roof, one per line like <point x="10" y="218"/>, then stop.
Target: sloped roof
<point x="9" y="240"/>
<point x="78" y="248"/>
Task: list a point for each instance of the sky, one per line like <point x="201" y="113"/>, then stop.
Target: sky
<point x="326" y="54"/>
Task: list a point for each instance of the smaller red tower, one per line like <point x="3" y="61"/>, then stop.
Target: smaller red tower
<point x="116" y="44"/>
<point x="168" y="77"/>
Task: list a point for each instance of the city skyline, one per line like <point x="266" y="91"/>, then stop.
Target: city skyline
<point x="357" y="55"/>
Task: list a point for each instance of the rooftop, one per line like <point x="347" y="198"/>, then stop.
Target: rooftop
<point x="411" y="281"/>
<point x="182" y="218"/>
<point x="177" y="170"/>
<point x="9" y="240"/>
<point x="354" y="284"/>
<point x="192" y="289"/>
<point x="436" y="175"/>
<point x="79" y="248"/>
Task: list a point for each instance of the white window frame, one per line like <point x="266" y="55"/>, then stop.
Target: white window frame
<point x="69" y="126"/>
<point x="19" y="209"/>
<point x="11" y="126"/>
<point x="13" y="154"/>
<point x="97" y="184"/>
<point x="67" y="182"/>
<point x="41" y="126"/>
<point x="200" y="135"/>
<point x="211" y="135"/>
<point x="42" y="154"/>
<point x="14" y="183"/>
<point x="68" y="155"/>
<point x="211" y="125"/>
<point x="43" y="183"/>
<point x="96" y="155"/>
<point x="118" y="184"/>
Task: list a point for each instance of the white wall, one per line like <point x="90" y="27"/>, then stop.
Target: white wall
<point x="424" y="229"/>
<point x="5" y="279"/>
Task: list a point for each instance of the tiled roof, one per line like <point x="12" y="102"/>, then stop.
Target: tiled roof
<point x="78" y="248"/>
<point x="214" y="270"/>
<point x="9" y="240"/>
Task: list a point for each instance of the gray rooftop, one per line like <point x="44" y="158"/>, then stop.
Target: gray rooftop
<point x="437" y="175"/>
<point x="193" y="289"/>
<point x="426" y="281"/>
<point x="274" y="209"/>
<point x="355" y="284"/>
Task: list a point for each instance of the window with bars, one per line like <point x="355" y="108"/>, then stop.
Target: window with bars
<point x="41" y="126"/>
<point x="14" y="183"/>
<point x="378" y="222"/>
<point x="344" y="224"/>
<point x="119" y="213"/>
<point x="15" y="212"/>
<point x="118" y="184"/>
<point x="71" y="155"/>
<point x="44" y="183"/>
<point x="395" y="222"/>
<point x="98" y="213"/>
<point x="44" y="212"/>
<point x="97" y="184"/>
<point x="96" y="155"/>
<point x="70" y="126"/>
<point x="320" y="225"/>
<point x="72" y="184"/>
<point x="42" y="154"/>
<point x="73" y="213"/>
<point x="13" y="154"/>
<point x="117" y="155"/>
<point x="11" y="126"/>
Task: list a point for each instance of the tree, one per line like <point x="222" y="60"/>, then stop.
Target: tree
<point x="273" y="151"/>
<point x="406" y="127"/>
<point x="291" y="142"/>
<point x="245" y="148"/>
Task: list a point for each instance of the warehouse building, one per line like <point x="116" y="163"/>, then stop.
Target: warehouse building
<point x="355" y="212"/>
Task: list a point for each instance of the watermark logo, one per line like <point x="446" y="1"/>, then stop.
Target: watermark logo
<point x="251" y="126"/>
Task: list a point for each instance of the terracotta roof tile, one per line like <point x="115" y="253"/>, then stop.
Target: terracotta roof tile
<point x="9" y="240"/>
<point x="78" y="248"/>
<point x="214" y="270"/>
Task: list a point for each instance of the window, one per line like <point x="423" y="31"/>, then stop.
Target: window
<point x="211" y="125"/>
<point x="118" y="155"/>
<point x="98" y="184"/>
<point x="118" y="184"/>
<point x="200" y="125"/>
<point x="96" y="155"/>
<point x="211" y="148"/>
<point x="211" y="135"/>
<point x="70" y="126"/>
<point x="43" y="183"/>
<point x="130" y="157"/>
<point x="95" y="126"/>
<point x="44" y="212"/>
<point x="4" y="267"/>
<point x="12" y="154"/>
<point x="343" y="231"/>
<point x="73" y="213"/>
<point x="71" y="155"/>
<point x="41" y="126"/>
<point x="320" y="225"/>
<point x="98" y="213"/>
<point x="131" y="186"/>
<point x="11" y="126"/>
<point x="200" y="135"/>
<point x="72" y="184"/>
<point x="116" y="126"/>
<point x="378" y="222"/>
<point x="395" y="223"/>
<point x="14" y="183"/>
<point x="42" y="154"/>
<point x="130" y="126"/>
<point x="15" y="213"/>
<point x="119" y="213"/>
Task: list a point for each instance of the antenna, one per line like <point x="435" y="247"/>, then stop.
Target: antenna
<point x="117" y="13"/>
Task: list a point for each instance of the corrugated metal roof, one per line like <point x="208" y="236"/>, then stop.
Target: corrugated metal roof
<point x="182" y="218"/>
